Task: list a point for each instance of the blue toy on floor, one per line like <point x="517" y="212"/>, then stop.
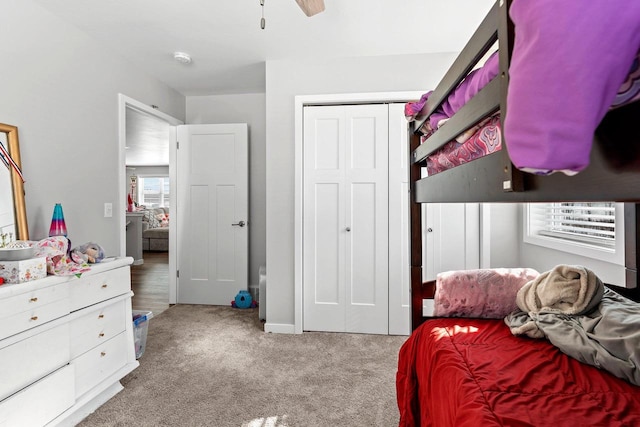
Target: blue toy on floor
<point x="244" y="300"/>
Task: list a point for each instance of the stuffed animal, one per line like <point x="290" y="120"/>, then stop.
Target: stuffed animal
<point x="89" y="252"/>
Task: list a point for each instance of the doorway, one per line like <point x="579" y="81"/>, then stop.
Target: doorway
<point x="129" y="109"/>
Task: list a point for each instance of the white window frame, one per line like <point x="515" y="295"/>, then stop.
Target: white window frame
<point x="615" y="255"/>
<point x="140" y="187"/>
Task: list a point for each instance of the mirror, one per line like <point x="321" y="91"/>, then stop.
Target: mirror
<point x="13" y="213"/>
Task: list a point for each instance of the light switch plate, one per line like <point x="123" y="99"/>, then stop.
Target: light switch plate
<point x="108" y="210"/>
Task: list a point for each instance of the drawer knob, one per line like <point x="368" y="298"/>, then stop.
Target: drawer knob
<point x="34" y="299"/>
<point x="101" y="316"/>
<point x="104" y="286"/>
<point x="101" y="334"/>
<point x="102" y="354"/>
<point x="34" y="318"/>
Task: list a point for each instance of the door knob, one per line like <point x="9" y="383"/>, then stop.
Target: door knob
<point x="239" y="224"/>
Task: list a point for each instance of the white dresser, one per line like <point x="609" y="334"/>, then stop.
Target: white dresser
<point x="65" y="343"/>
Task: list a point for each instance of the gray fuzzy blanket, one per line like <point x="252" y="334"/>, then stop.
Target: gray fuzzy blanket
<point x="571" y="308"/>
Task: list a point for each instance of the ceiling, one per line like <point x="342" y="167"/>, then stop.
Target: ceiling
<point x="229" y="49"/>
<point x="147" y="139"/>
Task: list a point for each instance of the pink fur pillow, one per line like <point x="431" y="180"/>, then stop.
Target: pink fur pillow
<point x="484" y="293"/>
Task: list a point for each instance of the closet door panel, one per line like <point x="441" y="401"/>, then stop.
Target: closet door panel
<point x="367" y="204"/>
<point x="327" y="245"/>
<point x="324" y="218"/>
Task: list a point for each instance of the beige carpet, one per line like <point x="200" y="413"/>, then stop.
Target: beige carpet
<point x="214" y="366"/>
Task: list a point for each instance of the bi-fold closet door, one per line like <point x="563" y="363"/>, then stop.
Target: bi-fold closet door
<point x="346" y="218"/>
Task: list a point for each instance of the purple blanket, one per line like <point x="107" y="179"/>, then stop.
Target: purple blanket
<point x="569" y="59"/>
<point x="467" y="89"/>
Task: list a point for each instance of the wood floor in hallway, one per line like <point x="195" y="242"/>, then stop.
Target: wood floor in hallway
<point x="150" y="283"/>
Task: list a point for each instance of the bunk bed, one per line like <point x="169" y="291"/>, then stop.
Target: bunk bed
<point x="471" y="371"/>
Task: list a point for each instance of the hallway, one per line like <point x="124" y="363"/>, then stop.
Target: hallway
<point x="150" y="283"/>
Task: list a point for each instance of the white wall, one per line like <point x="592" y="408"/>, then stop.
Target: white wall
<point x="61" y="89"/>
<point x="500" y="243"/>
<point x="544" y="259"/>
<point x="503" y="223"/>
<point x="245" y="108"/>
<point x="285" y="80"/>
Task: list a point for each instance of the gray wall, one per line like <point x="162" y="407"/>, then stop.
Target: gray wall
<point x="245" y="108"/>
<point x="61" y="89"/>
<point x="285" y="80"/>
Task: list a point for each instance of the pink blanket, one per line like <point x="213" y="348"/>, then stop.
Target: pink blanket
<point x="484" y="293"/>
<point x="60" y="259"/>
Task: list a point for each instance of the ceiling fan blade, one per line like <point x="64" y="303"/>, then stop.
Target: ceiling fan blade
<point x="311" y="7"/>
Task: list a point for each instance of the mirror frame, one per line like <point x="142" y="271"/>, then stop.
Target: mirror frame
<point x="17" y="186"/>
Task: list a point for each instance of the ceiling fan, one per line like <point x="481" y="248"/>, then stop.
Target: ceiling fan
<point x="311" y="7"/>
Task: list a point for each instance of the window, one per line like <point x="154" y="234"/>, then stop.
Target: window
<point x="153" y="191"/>
<point x="594" y="230"/>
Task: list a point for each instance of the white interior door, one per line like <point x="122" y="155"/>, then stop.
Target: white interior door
<point x="345" y="219"/>
<point x="212" y="202"/>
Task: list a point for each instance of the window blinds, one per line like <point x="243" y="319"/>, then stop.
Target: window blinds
<point x="587" y="223"/>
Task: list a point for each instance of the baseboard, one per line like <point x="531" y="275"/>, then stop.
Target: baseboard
<point x="280" y="328"/>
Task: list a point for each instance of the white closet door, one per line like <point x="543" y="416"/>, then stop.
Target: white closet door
<point x="451" y="239"/>
<point x="367" y="177"/>
<point x="399" y="273"/>
<point x="324" y="220"/>
<point x="345" y="220"/>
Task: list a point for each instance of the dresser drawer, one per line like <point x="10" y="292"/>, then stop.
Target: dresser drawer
<point x="31" y="309"/>
<point x="26" y="361"/>
<point x="89" y="290"/>
<point x="99" y="363"/>
<point x="97" y="326"/>
<point x="41" y="402"/>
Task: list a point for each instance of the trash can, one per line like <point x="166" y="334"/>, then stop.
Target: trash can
<point x="140" y="328"/>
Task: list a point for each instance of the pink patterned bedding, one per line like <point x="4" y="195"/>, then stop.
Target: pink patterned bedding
<point x="486" y="140"/>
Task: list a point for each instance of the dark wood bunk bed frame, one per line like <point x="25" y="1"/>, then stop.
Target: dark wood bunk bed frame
<point x="613" y="174"/>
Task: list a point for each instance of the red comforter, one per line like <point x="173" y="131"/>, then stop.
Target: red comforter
<point x="470" y="372"/>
